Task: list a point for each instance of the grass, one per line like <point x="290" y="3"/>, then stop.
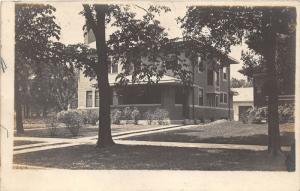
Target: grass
<point x="138" y="157"/>
<point x="223" y="133"/>
<point x="124" y="157"/>
<point x="19" y="142"/>
<point x="86" y="131"/>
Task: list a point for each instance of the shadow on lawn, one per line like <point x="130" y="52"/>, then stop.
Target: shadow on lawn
<point x="258" y="139"/>
<point x="124" y="157"/>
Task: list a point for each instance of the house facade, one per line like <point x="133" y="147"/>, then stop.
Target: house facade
<point x="209" y="97"/>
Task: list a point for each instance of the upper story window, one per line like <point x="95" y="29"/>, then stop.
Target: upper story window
<point x="210" y="77"/>
<point x="218" y="78"/>
<point x="89" y="99"/>
<point x="200" y="64"/>
<point x="172" y="61"/>
<point x="112" y="67"/>
<point x="224" y="73"/>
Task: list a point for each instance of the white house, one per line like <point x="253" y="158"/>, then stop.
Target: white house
<point x="242" y="101"/>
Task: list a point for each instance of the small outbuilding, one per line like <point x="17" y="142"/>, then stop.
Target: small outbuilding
<point x="242" y="101"/>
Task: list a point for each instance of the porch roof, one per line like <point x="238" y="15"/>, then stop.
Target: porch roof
<point x="164" y="80"/>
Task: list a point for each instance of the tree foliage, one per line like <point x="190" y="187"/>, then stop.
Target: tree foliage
<point x="262" y="28"/>
<point x="46" y="73"/>
<point x="240" y="83"/>
<point x="34" y="27"/>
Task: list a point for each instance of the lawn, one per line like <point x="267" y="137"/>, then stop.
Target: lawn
<point x="86" y="131"/>
<point x="21" y="142"/>
<point x="223" y="133"/>
<point x="123" y="157"/>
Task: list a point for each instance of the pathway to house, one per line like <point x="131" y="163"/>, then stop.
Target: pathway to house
<point x="53" y="143"/>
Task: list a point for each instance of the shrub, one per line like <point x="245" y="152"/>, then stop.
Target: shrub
<point x="127" y="113"/>
<point x="286" y="113"/>
<point x="116" y="115"/>
<point x="135" y="115"/>
<point x="72" y="119"/>
<point x="257" y="115"/>
<point x="90" y="116"/>
<point x="51" y="124"/>
<point x="161" y="115"/>
<point x="149" y="117"/>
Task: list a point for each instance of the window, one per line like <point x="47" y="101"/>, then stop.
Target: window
<point x="224" y="73"/>
<point x="217" y="100"/>
<point x="200" y="96"/>
<point x="172" y="61"/>
<point x="200" y="64"/>
<point x="141" y="95"/>
<point x="211" y="100"/>
<point x="89" y="99"/>
<point x="225" y="98"/>
<point x="112" y="67"/>
<point x="97" y="98"/>
<point x="210" y="77"/>
<point x="218" y="78"/>
<point x="221" y="98"/>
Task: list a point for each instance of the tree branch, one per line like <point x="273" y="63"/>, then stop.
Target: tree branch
<point x="142" y="8"/>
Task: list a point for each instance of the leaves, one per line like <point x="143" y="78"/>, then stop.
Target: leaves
<point x="224" y="27"/>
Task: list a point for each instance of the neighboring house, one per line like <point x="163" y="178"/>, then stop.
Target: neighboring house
<point x="212" y="95"/>
<point x="242" y="101"/>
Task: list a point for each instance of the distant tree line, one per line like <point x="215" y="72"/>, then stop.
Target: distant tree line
<point x="240" y="83"/>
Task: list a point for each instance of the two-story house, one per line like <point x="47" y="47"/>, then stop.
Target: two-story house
<point x="209" y="96"/>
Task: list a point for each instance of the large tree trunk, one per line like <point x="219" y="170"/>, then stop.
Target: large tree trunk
<point x="272" y="84"/>
<point x="104" y="134"/>
<point x="18" y="108"/>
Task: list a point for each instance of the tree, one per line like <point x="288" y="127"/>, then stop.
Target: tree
<point x="135" y="34"/>
<point x="55" y="84"/>
<point x="240" y="83"/>
<point x="224" y="27"/>
<point x="34" y="27"/>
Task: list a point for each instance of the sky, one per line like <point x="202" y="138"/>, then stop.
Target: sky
<point x="71" y="23"/>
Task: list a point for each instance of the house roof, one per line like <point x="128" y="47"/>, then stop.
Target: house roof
<point x="243" y="94"/>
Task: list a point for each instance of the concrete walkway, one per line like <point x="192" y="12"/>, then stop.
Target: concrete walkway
<point x="52" y="143"/>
